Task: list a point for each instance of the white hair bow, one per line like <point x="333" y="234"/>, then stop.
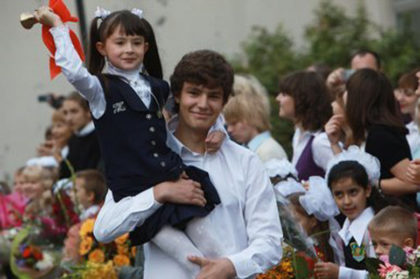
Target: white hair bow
<point x="102" y="13"/>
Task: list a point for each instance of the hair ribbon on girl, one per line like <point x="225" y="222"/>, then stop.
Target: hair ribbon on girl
<point x="103" y="13"/>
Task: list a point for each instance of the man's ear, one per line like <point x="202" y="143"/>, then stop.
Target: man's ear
<point x="100" y="47"/>
<point x="90" y="196"/>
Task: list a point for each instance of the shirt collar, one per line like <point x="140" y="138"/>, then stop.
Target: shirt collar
<point x="357" y="227"/>
<point x="129" y="75"/>
<point x="258" y="140"/>
<point x="173" y="142"/>
<point x="86" y="130"/>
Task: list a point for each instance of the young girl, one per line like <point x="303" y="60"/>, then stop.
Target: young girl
<point x="126" y="105"/>
<point x="304" y="99"/>
<point x="352" y="177"/>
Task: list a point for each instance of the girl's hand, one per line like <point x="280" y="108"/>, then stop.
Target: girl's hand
<point x="413" y="172"/>
<point x="333" y="129"/>
<point x="214" y="140"/>
<point x="182" y="191"/>
<point x="326" y="270"/>
<point x="45" y="15"/>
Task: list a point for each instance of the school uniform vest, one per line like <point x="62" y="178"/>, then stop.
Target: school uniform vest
<point x="306" y="165"/>
<point x="132" y="138"/>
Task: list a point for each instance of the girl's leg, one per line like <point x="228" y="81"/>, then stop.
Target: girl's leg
<point x="177" y="245"/>
<point x="199" y="233"/>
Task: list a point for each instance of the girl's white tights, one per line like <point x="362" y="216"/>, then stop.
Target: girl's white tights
<point x="179" y="246"/>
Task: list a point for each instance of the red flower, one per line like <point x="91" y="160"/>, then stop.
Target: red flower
<point x="27" y="252"/>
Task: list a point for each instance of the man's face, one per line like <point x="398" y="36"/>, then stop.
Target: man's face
<point x="199" y="106"/>
<point x="364" y="61"/>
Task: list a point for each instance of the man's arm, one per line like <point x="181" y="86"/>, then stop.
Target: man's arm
<point x="263" y="224"/>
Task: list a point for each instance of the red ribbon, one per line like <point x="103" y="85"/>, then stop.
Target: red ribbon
<point x="63" y="12"/>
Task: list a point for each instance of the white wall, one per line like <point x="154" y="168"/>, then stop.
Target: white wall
<point x="185" y="25"/>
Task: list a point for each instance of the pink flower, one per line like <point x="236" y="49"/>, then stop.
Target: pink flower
<point x="384" y="258"/>
<point x="386" y="268"/>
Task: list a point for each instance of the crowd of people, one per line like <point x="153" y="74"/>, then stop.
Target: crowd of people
<point x="192" y="173"/>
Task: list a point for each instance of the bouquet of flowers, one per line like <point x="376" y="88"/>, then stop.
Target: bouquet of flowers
<point x="293" y="265"/>
<point x="96" y="257"/>
<point x="399" y="264"/>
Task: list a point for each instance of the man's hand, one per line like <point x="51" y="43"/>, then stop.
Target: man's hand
<point x="221" y="268"/>
<point x="326" y="270"/>
<point x="214" y="140"/>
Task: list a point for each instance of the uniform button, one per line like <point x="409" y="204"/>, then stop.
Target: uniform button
<point x="152" y="129"/>
<point x="155" y="155"/>
<point x="153" y="142"/>
<point x="163" y="164"/>
<point x="148" y="116"/>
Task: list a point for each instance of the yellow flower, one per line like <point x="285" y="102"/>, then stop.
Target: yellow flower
<point x="97" y="256"/>
<point x="133" y="251"/>
<point x="122" y="239"/>
<point x="85" y="245"/>
<point x="103" y="271"/>
<point x="87" y="227"/>
<point x="121" y="260"/>
<point x="123" y="250"/>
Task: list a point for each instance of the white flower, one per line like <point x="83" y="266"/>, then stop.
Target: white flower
<point x="102" y="13"/>
<point x="46" y="263"/>
<point x="137" y="12"/>
<point x="281" y="168"/>
<point x="397" y="275"/>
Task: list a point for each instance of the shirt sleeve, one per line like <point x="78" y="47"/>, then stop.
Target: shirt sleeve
<point x="115" y="219"/>
<point x="321" y="150"/>
<point x="87" y="84"/>
<point x="263" y="225"/>
<point x="389" y="146"/>
<point x="349" y="273"/>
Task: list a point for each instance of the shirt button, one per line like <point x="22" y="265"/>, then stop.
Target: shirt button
<point x="153" y="143"/>
<point x="152" y="129"/>
<point x="155" y="155"/>
<point x="163" y="164"/>
<point x="148" y="116"/>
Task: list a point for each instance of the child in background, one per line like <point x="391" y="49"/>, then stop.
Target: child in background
<point x="315" y="210"/>
<point x="352" y="177"/>
<point x="90" y="192"/>
<point x="393" y="225"/>
<point x="132" y="94"/>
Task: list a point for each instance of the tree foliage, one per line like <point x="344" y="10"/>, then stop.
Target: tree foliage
<point x="330" y="39"/>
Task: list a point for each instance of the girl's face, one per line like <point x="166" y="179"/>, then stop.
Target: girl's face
<point x="240" y="131"/>
<point x="350" y="197"/>
<point x="61" y="132"/>
<point x="83" y="197"/>
<point x="75" y="115"/>
<point x="407" y="100"/>
<point x="32" y="188"/>
<point x="308" y="223"/>
<point x="125" y="52"/>
<point x="286" y="106"/>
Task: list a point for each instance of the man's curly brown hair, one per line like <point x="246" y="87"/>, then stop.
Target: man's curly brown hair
<point x="204" y="67"/>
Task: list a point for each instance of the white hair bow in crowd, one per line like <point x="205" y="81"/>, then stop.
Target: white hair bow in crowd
<point x="103" y="13"/>
<point x="370" y="163"/>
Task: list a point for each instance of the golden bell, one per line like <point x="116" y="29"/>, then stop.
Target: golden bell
<point x="27" y="20"/>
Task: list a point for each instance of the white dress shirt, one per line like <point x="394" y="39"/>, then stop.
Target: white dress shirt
<point x="246" y="222"/>
<point x="87" y="84"/>
<point x="321" y="147"/>
<point x="413" y="138"/>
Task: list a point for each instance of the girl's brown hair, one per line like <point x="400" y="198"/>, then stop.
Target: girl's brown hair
<point x="311" y="97"/>
<point x="370" y="101"/>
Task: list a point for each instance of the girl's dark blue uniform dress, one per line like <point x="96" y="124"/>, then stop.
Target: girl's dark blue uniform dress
<point x="132" y="138"/>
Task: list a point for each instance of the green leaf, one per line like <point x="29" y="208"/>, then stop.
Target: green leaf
<point x="301" y="270"/>
<point x="397" y="256"/>
<point x="19" y="238"/>
<point x="372" y="265"/>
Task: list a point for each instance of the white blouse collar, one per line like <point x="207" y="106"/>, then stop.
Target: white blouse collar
<point x="356" y="228"/>
<point x="86" y="130"/>
<point x="129" y="75"/>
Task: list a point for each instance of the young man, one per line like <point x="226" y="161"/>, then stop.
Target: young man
<point x="246" y="223"/>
